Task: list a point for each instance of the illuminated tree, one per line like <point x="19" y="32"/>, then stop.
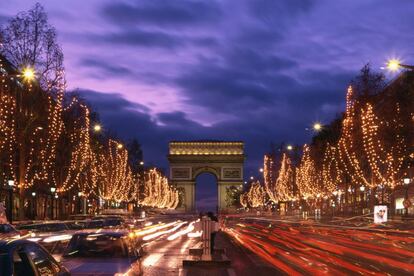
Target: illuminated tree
<point x="385" y="153"/>
<point x="308" y="178"/>
<point x="115" y="180"/>
<point x="281" y="188"/>
<point x="331" y="171"/>
<point x="255" y="197"/>
<point x="158" y="192"/>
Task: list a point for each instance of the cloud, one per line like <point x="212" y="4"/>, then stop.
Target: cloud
<point x="105" y="68"/>
<point x="137" y="37"/>
<point x="162" y="13"/>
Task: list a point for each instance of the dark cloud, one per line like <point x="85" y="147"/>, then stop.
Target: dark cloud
<point x="138" y="37"/>
<point x="162" y="13"/>
<point x="106" y="69"/>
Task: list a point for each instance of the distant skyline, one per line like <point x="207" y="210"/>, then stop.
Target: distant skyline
<point x="258" y="71"/>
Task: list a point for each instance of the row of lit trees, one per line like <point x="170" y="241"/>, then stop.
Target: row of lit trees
<point x="50" y="140"/>
<point x="368" y="150"/>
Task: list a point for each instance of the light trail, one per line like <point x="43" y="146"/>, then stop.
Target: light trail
<point x="157" y="234"/>
<point x="153" y="228"/>
<point x="189" y="229"/>
<point x="307" y="248"/>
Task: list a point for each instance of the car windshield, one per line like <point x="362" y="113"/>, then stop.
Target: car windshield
<point x="94" y="224"/>
<point x="96" y="246"/>
<point x="48" y="227"/>
<point x="6" y="228"/>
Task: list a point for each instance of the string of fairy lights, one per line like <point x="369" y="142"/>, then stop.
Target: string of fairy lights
<point x="370" y="155"/>
<point x="55" y="148"/>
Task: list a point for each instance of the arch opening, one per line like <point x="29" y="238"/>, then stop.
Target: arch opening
<point x="206" y="192"/>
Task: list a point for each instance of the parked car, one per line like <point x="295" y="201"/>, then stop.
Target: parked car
<point x="6" y="228"/>
<point x="45" y="227"/>
<point x="19" y="257"/>
<point x="103" y="222"/>
<point x="103" y="253"/>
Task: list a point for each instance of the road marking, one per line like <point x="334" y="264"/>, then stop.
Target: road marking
<point x="230" y="272"/>
<point x="182" y="272"/>
<point x="152" y="259"/>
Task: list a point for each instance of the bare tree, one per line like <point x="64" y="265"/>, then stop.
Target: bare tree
<point x="28" y="40"/>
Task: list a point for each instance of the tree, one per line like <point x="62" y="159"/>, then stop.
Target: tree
<point x="135" y="155"/>
<point x="29" y="41"/>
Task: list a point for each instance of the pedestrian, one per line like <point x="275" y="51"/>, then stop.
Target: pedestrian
<point x="215" y="228"/>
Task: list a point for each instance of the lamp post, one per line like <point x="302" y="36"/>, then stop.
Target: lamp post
<point x="11" y="185"/>
<point x="80" y="194"/>
<point x="34" y="205"/>
<point x="362" y="189"/>
<point x="395" y="64"/>
<point x="52" y="190"/>
<point x="407" y="202"/>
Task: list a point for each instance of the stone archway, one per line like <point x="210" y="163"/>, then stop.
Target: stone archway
<point x="188" y="159"/>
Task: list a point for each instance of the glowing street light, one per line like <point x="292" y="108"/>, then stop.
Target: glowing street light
<point x="120" y="146"/>
<point x="251" y="177"/>
<point x="141" y="163"/>
<point x="97" y="128"/>
<point x="289" y="147"/>
<point x="261" y="170"/>
<point x="33" y="194"/>
<point x="317" y="126"/>
<point x="52" y="189"/>
<point x="362" y="188"/>
<point x="28" y="74"/>
<point x="394" y="65"/>
<point x="407" y="180"/>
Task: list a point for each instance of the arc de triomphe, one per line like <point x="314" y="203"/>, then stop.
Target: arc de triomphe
<point x="188" y="159"/>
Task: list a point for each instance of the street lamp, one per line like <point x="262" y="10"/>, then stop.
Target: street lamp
<point x="362" y="189"/>
<point x="28" y="74"/>
<point x="52" y="190"/>
<point x="81" y="194"/>
<point x="34" y="205"/>
<point x="120" y="146"/>
<point x="406" y="182"/>
<point x="394" y="65"/>
<point x="289" y="147"/>
<point x="97" y="128"/>
<point x="11" y="185"/>
<point x="141" y="163"/>
<point x="261" y="170"/>
<point x="317" y="126"/>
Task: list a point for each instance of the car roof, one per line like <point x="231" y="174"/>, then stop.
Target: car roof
<point x="117" y="232"/>
<point x="13" y="242"/>
<point x="43" y="223"/>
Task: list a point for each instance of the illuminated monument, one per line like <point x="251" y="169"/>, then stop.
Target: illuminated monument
<point x="189" y="159"/>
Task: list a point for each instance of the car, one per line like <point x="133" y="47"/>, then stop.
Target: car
<point x="103" y="253"/>
<point x="76" y="224"/>
<point x="6" y="228"/>
<point x="20" y="257"/>
<point x="45" y="227"/>
<point x="103" y="222"/>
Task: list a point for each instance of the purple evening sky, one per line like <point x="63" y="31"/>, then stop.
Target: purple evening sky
<point x="257" y="71"/>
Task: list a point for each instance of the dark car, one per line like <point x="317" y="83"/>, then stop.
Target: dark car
<point x="6" y="228"/>
<point x="45" y="227"/>
<point x="104" y="222"/>
<point x="103" y="253"/>
<point x="19" y="257"/>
